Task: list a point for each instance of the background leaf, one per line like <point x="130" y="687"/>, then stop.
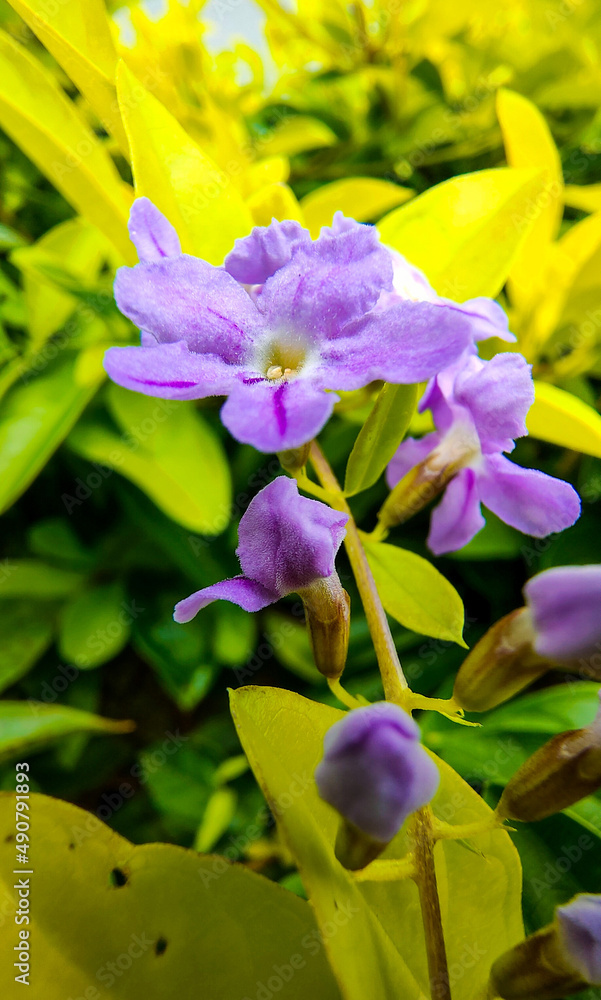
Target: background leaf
<point x="380" y="436"/>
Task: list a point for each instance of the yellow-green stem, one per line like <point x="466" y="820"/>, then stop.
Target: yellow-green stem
<point x="393" y="678"/>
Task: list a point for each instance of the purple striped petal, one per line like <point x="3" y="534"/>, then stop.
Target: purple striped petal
<point x="150" y="232"/>
<point x="276" y="416"/>
<point x="327" y="284"/>
<point x="184" y="298"/>
<point x="407" y="342"/>
<point x="247" y="594"/>
<point x="527" y="499"/>
<point x="170" y="371"/>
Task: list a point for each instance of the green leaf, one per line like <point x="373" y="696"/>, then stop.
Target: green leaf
<point x="169" y="451"/>
<point x="47" y="126"/>
<point x="171" y="922"/>
<point x="282" y="734"/>
<point x="35" y="417"/>
<point x="27" y="726"/>
<point x="197" y="197"/>
<point x="361" y="198"/>
<point x="380" y="437"/>
<point x="466" y="232"/>
<point x="414" y="592"/>
<point x="26" y="631"/>
<point x="78" y="35"/>
<point x="178" y="654"/>
<point x="35" y="579"/>
<point x="562" y="419"/>
<point x="95" y="626"/>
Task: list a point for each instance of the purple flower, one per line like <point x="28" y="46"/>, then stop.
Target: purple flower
<point x="283" y="322"/>
<point x="286" y="543"/>
<point x="374" y="770"/>
<point x="479" y="408"/>
<point x="580" y="935"/>
<point x="565" y="608"/>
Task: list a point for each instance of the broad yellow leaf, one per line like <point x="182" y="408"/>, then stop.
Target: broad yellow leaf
<point x="561" y="418"/>
<point x="282" y="734"/>
<point x="197" y="197"/>
<point x="529" y="143"/>
<point x="152" y="921"/>
<point x="362" y="198"/>
<point x="38" y="116"/>
<point x="466" y="233"/>
<point x="78" y="35"/>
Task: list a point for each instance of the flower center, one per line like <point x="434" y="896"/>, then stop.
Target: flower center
<point x="283" y="360"/>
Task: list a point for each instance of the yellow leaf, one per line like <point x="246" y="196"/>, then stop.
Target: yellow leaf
<point x="529" y="143"/>
<point x="299" y="133"/>
<point x="46" y="125"/>
<point x="282" y="734"/>
<point x="167" y="921"/>
<point x="362" y="198"/>
<point x="197" y="197"/>
<point x="561" y="418"/>
<point x="466" y="232"/>
<point x="586" y="197"/>
<point x="77" y="33"/>
<point x="274" y="201"/>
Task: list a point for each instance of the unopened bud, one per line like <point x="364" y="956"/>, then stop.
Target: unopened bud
<point x="563" y="771"/>
<point x="375" y="773"/>
<point x="429" y="478"/>
<point x="500" y="664"/>
<point x="328" y="615"/>
<point x="561" y="959"/>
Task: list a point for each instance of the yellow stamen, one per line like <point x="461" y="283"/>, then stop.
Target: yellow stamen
<point x="275" y="371"/>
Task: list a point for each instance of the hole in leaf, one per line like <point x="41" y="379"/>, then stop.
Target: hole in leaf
<point x="118" y="878"/>
<point x="161" y="946"/>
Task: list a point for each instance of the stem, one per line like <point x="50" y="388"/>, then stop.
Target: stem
<point x="343" y="695"/>
<point x="425" y="878"/>
<point x="393" y="678"/>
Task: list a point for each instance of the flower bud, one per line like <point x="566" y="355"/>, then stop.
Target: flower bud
<point x="500" y="664"/>
<point x="565" y="604"/>
<point x="559" y="960"/>
<point x="563" y="771"/>
<point x="328" y="615"/>
<point x="579" y="925"/>
<point x="375" y="773"/>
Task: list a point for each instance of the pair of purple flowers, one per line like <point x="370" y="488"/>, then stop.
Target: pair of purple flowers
<point x="287" y="321"/>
